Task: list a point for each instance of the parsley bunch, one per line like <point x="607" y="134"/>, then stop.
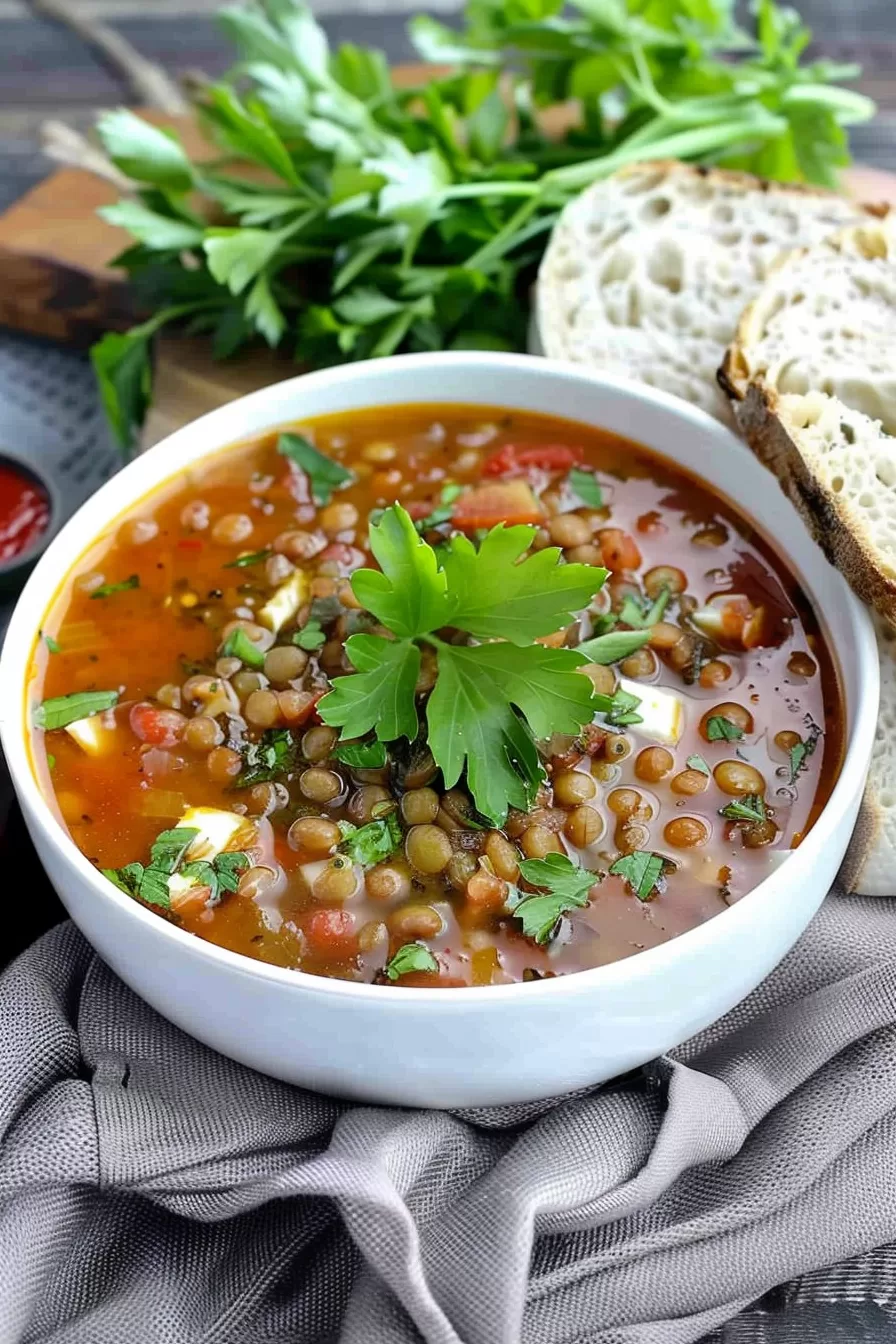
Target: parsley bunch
<point x="494" y="698"/>
<point x="345" y="219"/>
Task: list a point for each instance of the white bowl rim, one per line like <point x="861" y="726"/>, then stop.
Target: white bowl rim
<point x="648" y="963"/>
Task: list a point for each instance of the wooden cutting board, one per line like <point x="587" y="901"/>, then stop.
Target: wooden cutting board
<point x="56" y="280"/>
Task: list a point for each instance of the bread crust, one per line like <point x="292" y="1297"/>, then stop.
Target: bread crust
<point x="838" y="533"/>
<point x="867" y="833"/>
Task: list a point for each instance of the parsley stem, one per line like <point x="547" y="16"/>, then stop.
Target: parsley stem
<point x="463" y="190"/>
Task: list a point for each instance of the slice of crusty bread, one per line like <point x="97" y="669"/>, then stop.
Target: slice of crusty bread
<point x="838" y="466"/>
<point x="647" y="273"/>
<point x="812" y="372"/>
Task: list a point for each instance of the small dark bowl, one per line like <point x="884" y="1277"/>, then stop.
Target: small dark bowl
<point x="14" y="571"/>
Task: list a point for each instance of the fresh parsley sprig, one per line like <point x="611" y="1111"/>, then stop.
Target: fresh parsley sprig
<point x="562" y="886"/>
<point x="418" y="216"/>
<point x="494" y="698"/>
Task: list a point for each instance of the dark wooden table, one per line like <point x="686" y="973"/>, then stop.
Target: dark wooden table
<point x="45" y="71"/>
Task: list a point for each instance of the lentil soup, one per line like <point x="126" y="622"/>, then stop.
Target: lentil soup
<point x="360" y="740"/>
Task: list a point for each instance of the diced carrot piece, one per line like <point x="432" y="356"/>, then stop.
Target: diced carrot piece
<point x="331" y="931"/>
<point x="513" y="460"/>
<point x="617" y="549"/>
<point x="502" y="502"/>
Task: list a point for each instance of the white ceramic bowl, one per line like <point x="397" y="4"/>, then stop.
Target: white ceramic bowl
<point x="476" y="1046"/>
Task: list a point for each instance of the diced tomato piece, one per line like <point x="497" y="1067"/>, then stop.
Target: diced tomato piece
<point x="159" y="727"/>
<point x="331" y="931"/>
<point x="190" y="544"/>
<point x="418" y="510"/>
<point x="617" y="549"/>
<point x="511" y="460"/>
<point x="502" y="502"/>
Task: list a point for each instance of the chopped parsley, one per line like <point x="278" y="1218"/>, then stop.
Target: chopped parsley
<point x="586" y="485"/>
<point x="698" y="763"/>
<point x="51" y="643"/>
<point x="324" y="475"/>
<point x="310" y="637"/>
<point x="239" y="645"/>
<point x="362" y="755"/>
<point x="720" y="729"/>
<point x="252" y="558"/>
<point x="443" y="512"/>
<point x="166" y="857"/>
<point x="619" y="709"/>
<point x="616" y="644"/>
<point x="802" y="751"/>
<point x="562" y="886"/>
<point x="221" y="875"/>
<point x="61" y="710"/>
<point x="640" y="614"/>
<point x="493" y="700"/>
<point x="411" y="957"/>
<point x="642" y="871"/>
<point x="51" y="761"/>
<point x="122" y="586"/>
<point x="749" y="808"/>
<point x="271" y="757"/>
<point x="374" y="842"/>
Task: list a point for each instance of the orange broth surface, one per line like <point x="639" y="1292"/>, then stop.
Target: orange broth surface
<point x="185" y="722"/>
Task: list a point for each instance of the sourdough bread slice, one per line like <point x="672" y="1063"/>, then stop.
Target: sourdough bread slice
<point x="838" y="467"/>
<point x="812" y="372"/>
<point x="648" y="272"/>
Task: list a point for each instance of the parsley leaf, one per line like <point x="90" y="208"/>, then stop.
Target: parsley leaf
<point x="411" y="957"/>
<point x="586" y="486"/>
<point x="324" y="475"/>
<point x="443" y="511"/>
<point x="61" y="710"/>
<point x="380" y="695"/>
<point x="169" y="847"/>
<point x="566" y="886"/>
<point x="749" y="808"/>
<point x="610" y="648"/>
<point x="410" y="595"/>
<point x="272" y="757"/>
<point x="123" y="586"/>
<point x="310" y="637"/>
<point x="362" y="755"/>
<point x="641" y="614"/>
<point x="51" y="643"/>
<point x="619" y="709"/>
<point x="641" y="870"/>
<point x="126" y="879"/>
<point x="498" y="595"/>
<point x="239" y="645"/>
<point x="473" y="724"/>
<point x="698" y="763"/>
<point x="720" y="729"/>
<point x="145" y="152"/>
<point x="244" y="561"/>
<point x="374" y="842"/>
<point x="220" y="875"/>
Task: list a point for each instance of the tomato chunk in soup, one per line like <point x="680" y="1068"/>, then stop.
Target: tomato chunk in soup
<point x="214" y="619"/>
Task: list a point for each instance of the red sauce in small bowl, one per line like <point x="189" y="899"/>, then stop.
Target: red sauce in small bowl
<point x="24" y="512"/>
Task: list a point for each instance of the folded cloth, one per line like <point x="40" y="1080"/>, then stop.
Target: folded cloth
<point x="153" y="1191"/>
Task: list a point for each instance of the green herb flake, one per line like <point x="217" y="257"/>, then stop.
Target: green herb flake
<point x="374" y="842"/>
<point x="51" y="643"/>
<point x="615" y="645"/>
<point x="272" y="757"/>
<point x="799" y="754"/>
<point x="310" y="637"/>
<point x="586" y="486"/>
<point x="563" y="886"/>
<point x="698" y="763"/>
<point x="749" y="808"/>
<point x="239" y="645"/>
<point x="444" y="511"/>
<point x="641" y="614"/>
<point x="411" y="957"/>
<point x="51" y="761"/>
<point x="642" y="871"/>
<point x="252" y="558"/>
<point x="720" y="729"/>
<point x="620" y="709"/>
<point x="122" y="586"/>
<point x="61" y="710"/>
<point x="362" y="755"/>
<point x="324" y="475"/>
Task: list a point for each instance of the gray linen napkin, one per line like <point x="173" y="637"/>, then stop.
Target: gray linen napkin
<point x="152" y="1191"/>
